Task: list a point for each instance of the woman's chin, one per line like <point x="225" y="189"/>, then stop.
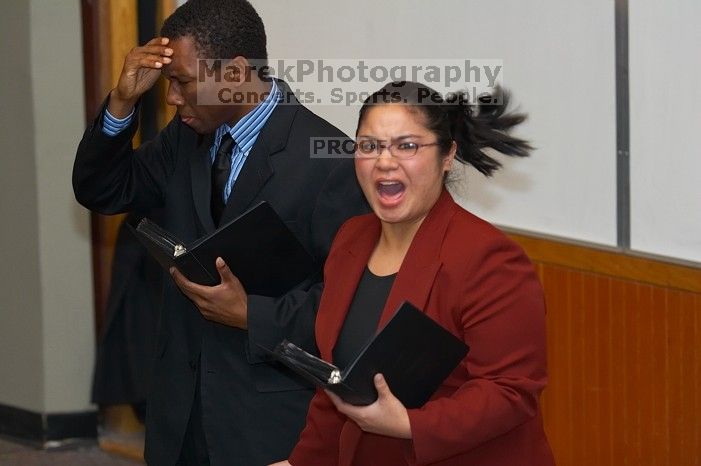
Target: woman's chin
<point x="392" y="214"/>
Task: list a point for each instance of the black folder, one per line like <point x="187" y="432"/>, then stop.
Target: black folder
<point x="413" y="352"/>
<point x="257" y="246"/>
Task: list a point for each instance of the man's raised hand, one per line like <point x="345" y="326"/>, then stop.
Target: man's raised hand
<point x="142" y="67"/>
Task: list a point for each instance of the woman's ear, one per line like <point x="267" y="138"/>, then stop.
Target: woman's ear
<point x="448" y="159"/>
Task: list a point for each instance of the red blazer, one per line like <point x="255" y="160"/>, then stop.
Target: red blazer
<point x="478" y="284"/>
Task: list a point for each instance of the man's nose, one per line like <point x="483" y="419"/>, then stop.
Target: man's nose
<point x="173" y="96"/>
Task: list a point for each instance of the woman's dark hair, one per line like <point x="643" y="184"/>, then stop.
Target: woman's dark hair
<point x="220" y="28"/>
<point x="473" y="127"/>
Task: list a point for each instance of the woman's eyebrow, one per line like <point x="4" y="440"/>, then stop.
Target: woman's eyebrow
<point x="398" y="138"/>
<point x="406" y="136"/>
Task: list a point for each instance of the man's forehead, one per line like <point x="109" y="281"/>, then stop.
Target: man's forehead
<point x="182" y="64"/>
<point x="176" y="69"/>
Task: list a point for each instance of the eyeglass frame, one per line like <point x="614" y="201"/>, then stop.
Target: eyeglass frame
<point x="380" y="147"/>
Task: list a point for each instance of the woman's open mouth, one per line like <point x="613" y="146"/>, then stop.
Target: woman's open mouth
<point x="390" y="191"/>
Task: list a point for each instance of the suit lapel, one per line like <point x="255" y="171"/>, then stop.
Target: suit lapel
<point x="201" y="177"/>
<point x="257" y="168"/>
<point x="347" y="267"/>
<point x="254" y="174"/>
<point x="422" y="262"/>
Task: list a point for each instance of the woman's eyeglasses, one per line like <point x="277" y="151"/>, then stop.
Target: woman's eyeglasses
<point x="369" y="149"/>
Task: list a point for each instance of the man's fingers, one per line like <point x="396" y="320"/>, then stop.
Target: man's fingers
<point x="178" y="278"/>
<point x="154" y="56"/>
<point x="160" y="50"/>
<point x="158" y="40"/>
<point x="137" y="76"/>
<point x="224" y="271"/>
<point x="153" y="61"/>
<point x="185" y="284"/>
<point x="190" y="289"/>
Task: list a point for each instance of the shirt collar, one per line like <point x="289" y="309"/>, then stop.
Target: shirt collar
<point x="245" y="131"/>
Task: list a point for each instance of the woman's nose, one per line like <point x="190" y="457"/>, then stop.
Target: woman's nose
<point x="385" y="160"/>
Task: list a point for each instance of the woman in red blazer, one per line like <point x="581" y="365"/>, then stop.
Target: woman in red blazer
<point x="420" y="246"/>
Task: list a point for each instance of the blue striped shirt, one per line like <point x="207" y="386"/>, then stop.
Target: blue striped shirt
<point x="112" y="126"/>
<point x="245" y="132"/>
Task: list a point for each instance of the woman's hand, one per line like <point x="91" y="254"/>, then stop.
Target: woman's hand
<point x="386" y="416"/>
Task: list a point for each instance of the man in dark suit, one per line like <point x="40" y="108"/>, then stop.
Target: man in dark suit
<point x="214" y="400"/>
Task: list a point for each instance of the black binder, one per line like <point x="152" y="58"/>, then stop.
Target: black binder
<point x="413" y="352"/>
<point x="257" y="246"/>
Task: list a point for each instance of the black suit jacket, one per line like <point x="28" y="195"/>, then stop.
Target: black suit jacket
<point x="252" y="412"/>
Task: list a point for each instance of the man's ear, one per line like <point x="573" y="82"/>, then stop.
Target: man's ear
<point x="237" y="71"/>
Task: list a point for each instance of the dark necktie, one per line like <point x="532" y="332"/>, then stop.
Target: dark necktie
<point x="221" y="169"/>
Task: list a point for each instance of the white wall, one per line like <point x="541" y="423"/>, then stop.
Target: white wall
<point x="21" y="346"/>
<point x="46" y="307"/>
<point x="665" y="72"/>
<point x="558" y="59"/>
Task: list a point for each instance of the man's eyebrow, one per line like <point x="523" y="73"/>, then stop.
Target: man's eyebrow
<point x="175" y="74"/>
<point x="171" y="72"/>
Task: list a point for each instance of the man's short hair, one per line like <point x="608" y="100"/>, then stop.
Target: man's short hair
<point x="220" y="28"/>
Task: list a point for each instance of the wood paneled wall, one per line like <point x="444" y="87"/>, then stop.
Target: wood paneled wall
<point x="624" y="355"/>
<point x="110" y="31"/>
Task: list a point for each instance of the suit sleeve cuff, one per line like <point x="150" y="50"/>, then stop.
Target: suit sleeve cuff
<point x="112" y="125"/>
